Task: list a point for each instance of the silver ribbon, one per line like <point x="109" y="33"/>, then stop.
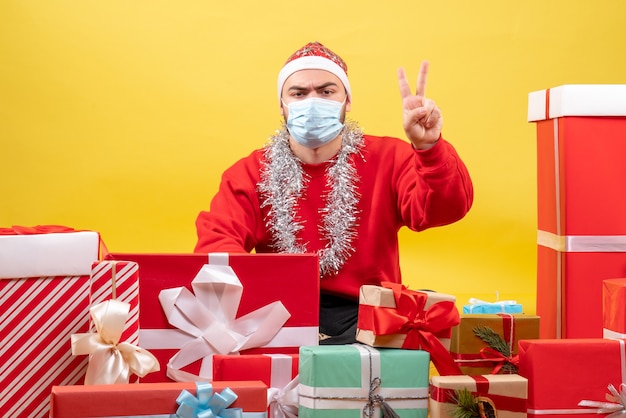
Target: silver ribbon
<point x="615" y="406"/>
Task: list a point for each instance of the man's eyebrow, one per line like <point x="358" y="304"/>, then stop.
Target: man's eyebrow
<point x="328" y="84"/>
<point x="298" y="88"/>
<point x="320" y="87"/>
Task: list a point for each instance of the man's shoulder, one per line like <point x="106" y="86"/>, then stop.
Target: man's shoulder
<point x="386" y="144"/>
<point x="250" y="165"/>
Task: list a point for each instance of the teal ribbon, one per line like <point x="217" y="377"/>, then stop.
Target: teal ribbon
<point x="207" y="404"/>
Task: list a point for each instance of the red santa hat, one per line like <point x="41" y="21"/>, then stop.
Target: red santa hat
<point x="315" y="56"/>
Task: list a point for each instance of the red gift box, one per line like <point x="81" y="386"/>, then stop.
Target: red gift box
<point x="292" y="279"/>
<point x="36" y="352"/>
<point x="277" y="371"/>
<point x="143" y="398"/>
<point x="563" y="372"/>
<point x="614" y="308"/>
<point x="580" y="204"/>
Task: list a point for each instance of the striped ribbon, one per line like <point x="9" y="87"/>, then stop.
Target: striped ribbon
<point x="117" y="280"/>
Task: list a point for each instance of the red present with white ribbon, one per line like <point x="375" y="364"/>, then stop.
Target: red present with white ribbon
<point x="393" y="316"/>
<point x="39" y="316"/>
<point x="581" y="225"/>
<point x="291" y="279"/>
<point x="278" y="371"/>
<point x="562" y="373"/>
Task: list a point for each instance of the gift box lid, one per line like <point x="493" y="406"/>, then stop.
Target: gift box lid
<point x="577" y="100"/>
<point x="48" y="254"/>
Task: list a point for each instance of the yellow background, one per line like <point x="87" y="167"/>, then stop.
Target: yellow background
<point x="119" y="116"/>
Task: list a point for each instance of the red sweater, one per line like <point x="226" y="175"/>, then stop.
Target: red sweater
<point x="399" y="187"/>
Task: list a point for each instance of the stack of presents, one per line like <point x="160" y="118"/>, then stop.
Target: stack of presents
<point x="88" y="333"/>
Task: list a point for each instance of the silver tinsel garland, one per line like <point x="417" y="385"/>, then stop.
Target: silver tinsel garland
<point x="282" y="184"/>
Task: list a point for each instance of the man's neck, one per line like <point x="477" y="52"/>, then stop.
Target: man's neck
<point x="316" y="155"/>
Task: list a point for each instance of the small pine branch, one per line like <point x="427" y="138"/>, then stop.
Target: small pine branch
<point x="466" y="406"/>
<point x="496" y="342"/>
<point x="492" y="338"/>
<point x="509" y="368"/>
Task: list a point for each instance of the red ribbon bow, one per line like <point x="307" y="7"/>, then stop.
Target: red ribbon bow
<point x="38" y="229"/>
<point x="420" y="326"/>
<point x="498" y="358"/>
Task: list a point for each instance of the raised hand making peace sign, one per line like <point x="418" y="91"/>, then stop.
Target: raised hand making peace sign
<point x="422" y="119"/>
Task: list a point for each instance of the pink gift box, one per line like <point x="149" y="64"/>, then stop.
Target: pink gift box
<point x="292" y="279"/>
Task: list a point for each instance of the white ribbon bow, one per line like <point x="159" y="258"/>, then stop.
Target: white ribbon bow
<point x="111" y="361"/>
<point x="283" y="402"/>
<point x="474" y="301"/>
<point x="616" y="405"/>
<point x="209" y="317"/>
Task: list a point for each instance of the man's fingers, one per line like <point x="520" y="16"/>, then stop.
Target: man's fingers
<point x="421" y="79"/>
<point x="405" y="89"/>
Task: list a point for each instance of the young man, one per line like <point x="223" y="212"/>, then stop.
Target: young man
<point x="321" y="185"/>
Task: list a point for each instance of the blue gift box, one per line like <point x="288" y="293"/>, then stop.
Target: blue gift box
<point x="477" y="306"/>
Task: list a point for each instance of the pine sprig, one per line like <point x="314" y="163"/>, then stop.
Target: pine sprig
<point x="495" y="341"/>
<point x="466" y="406"/>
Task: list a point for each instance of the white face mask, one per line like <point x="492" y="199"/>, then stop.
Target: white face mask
<point x="314" y="122"/>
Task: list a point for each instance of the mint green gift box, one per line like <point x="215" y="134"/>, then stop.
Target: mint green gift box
<point x="340" y="381"/>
